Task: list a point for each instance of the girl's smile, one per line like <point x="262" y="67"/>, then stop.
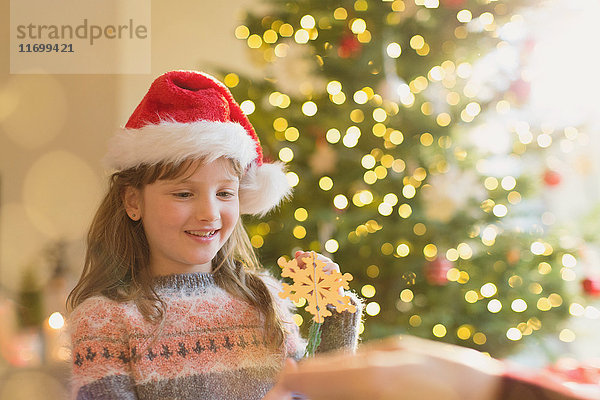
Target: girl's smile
<point x="188" y="220"/>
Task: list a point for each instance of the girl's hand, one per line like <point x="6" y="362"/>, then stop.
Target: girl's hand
<point x="279" y="392"/>
<point x="329" y="267"/>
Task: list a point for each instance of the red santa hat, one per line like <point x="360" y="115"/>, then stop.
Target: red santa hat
<point x="188" y="115"/>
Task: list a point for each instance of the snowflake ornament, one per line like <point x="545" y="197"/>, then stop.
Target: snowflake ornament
<point x="318" y="287"/>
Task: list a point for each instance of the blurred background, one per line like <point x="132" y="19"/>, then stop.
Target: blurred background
<point x="442" y="151"/>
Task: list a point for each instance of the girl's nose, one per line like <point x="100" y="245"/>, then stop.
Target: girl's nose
<point x="207" y="210"/>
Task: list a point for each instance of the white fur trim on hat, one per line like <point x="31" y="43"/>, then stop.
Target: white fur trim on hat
<point x="262" y="188"/>
<point x="171" y="141"/>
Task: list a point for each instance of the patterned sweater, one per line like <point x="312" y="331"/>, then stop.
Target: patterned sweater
<point x="212" y="345"/>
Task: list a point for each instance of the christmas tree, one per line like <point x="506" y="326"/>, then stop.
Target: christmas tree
<point x="413" y="168"/>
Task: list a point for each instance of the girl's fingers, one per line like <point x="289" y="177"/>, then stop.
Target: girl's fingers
<point x="330" y="266"/>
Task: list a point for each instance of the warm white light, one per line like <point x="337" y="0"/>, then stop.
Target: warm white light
<point x="368" y="291"/>
<point x="514" y="334"/>
<point x="301" y="36"/>
<point x="431" y="3"/>
<point x="307" y="22"/>
<point x="500" y="210"/>
<point x="309" y="108"/>
<point x="333" y="136"/>
<point x="488" y="290"/>
<point x="56" y="321"/>
<point x="569" y="261"/>
<point x="340" y="201"/>
<point x="368" y="161"/>
<point x="334" y="87"/>
<point x="247" y="107"/>
<point x="391" y="199"/>
<point x="393" y="50"/>
<point x="464" y="16"/>
<point x="508" y="183"/>
<point x="566" y="335"/>
<point x="518" y="305"/>
<point x="358" y="26"/>
<point x="332" y="245"/>
<point x="372" y="308"/>
<point x="538" y="248"/>
<point x="286" y="154"/>
<point x="360" y="97"/>
<point x="494" y="306"/>
<point x="292" y="178"/>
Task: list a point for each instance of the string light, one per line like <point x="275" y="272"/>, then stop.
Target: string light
<point x="292" y="178"/>
<point x="247" y="107"/>
<point x="439" y="330"/>
<point x="514" y="334"/>
<point x="332" y="245"/>
<point x="301" y="214"/>
<point x="340" y="201"/>
<point x="464" y="16"/>
<point x="403" y="250"/>
<point x="372" y="308"/>
<point x="415" y="321"/>
<point x="326" y="183"/>
<point x="309" y="108"/>
<point x="372" y="271"/>
<point x="334" y="87"/>
<point x="568" y="260"/>
<point x="393" y="50"/>
<point x="333" y="136"/>
<point x="407" y="295"/>
<point x="518" y="305"/>
<point x="358" y="25"/>
<point x="56" y="321"/>
<point x="368" y="291"/>
<point x="286" y="154"/>
<point x="494" y="306"/>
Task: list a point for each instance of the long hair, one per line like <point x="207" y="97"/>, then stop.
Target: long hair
<point x="117" y="258"/>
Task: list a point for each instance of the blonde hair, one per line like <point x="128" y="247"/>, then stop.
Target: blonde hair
<point x="118" y="255"/>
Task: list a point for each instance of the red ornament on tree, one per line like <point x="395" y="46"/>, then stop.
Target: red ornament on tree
<point x="453" y="3"/>
<point x="435" y="271"/>
<point x="552" y="178"/>
<point x="521" y="89"/>
<point x="349" y="46"/>
<point x="591" y="286"/>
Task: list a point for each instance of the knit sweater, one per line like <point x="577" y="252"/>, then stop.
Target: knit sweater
<point x="212" y="345"/>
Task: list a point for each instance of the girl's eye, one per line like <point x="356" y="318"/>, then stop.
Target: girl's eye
<point x="182" y="195"/>
<point x="225" y="194"/>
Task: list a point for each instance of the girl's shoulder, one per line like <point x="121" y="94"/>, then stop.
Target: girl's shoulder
<point x="97" y="303"/>
<point x="270" y="281"/>
<point x="98" y="310"/>
<point x="274" y="285"/>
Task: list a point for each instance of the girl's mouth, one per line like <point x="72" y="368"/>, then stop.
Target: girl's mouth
<point x="202" y="234"/>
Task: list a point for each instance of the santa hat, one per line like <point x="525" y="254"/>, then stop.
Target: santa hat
<point x="189" y="115"/>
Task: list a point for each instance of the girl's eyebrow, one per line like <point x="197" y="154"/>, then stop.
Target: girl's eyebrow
<point x="224" y="180"/>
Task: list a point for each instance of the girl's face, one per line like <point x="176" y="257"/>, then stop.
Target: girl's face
<point x="187" y="220"/>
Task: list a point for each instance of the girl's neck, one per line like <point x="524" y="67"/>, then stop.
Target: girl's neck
<point x="159" y="269"/>
<point x="191" y="280"/>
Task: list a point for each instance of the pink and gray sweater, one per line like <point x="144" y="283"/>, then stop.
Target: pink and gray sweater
<point x="212" y="345"/>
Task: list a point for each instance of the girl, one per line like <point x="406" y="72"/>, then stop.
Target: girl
<point x="172" y="302"/>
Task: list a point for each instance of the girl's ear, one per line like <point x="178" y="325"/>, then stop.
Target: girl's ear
<point x="132" y="200"/>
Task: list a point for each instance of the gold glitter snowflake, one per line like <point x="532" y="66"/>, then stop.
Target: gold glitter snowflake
<point x="318" y="287"/>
